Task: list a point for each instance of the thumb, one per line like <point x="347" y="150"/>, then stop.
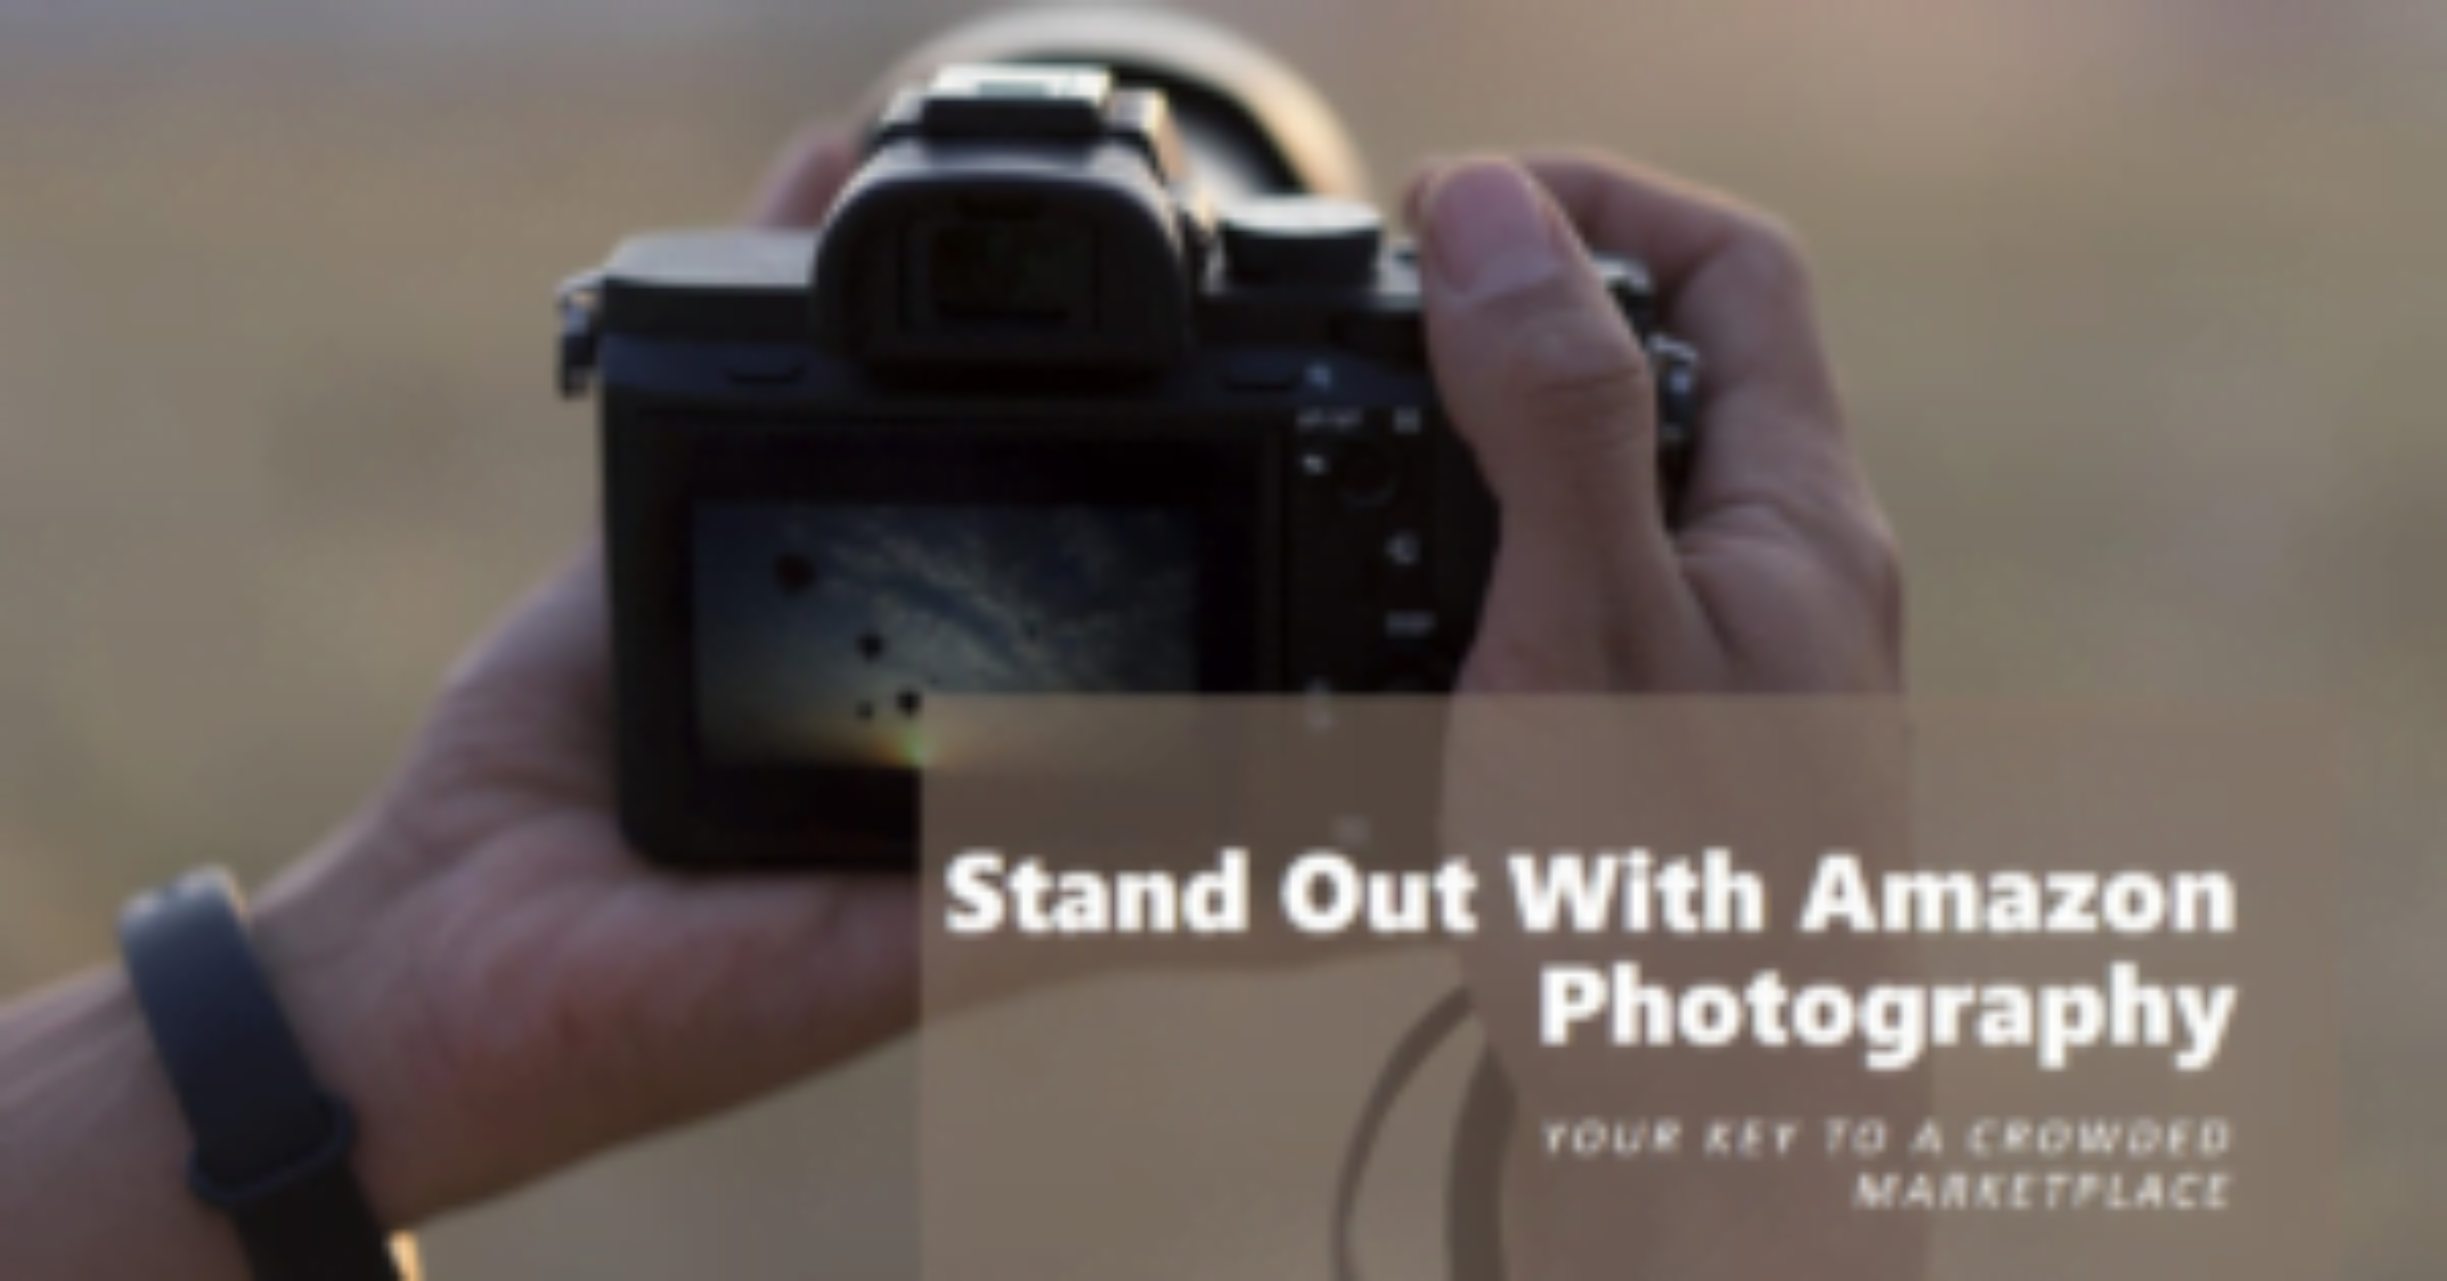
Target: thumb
<point x="1544" y="378"/>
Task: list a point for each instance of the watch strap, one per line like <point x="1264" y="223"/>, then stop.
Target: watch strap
<point x="272" y="1146"/>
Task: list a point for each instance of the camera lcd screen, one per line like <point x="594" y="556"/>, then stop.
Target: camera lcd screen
<point x="822" y="587"/>
<point x="824" y="628"/>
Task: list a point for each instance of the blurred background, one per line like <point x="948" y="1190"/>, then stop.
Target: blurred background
<point x="2137" y="304"/>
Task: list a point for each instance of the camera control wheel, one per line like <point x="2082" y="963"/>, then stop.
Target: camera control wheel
<point x="1302" y="240"/>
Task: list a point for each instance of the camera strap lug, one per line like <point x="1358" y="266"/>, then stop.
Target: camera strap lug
<point x="580" y="300"/>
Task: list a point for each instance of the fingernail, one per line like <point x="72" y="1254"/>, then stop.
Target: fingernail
<point x="1487" y="230"/>
<point x="1422" y="179"/>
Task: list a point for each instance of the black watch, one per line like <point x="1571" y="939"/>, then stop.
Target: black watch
<point x="271" y="1145"/>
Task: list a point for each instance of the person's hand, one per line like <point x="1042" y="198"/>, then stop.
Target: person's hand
<point x="500" y="985"/>
<point x="1782" y="577"/>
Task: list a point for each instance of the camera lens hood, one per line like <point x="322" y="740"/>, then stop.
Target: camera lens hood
<point x="1254" y="126"/>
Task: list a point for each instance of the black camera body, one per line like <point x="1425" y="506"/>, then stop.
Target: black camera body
<point x="1024" y="417"/>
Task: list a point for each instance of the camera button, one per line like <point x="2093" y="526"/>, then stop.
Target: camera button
<point x="1301" y="240"/>
<point x="1369" y="475"/>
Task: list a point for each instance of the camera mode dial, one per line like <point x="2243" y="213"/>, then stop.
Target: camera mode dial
<point x="1301" y="240"/>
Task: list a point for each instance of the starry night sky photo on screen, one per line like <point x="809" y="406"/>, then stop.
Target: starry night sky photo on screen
<point x="823" y="629"/>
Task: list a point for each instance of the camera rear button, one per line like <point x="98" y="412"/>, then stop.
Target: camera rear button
<point x="1370" y="474"/>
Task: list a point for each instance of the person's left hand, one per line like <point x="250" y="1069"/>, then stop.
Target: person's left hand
<point x="499" y="985"/>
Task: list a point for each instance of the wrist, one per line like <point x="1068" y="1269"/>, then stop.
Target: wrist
<point x="96" y="1183"/>
<point x="337" y="975"/>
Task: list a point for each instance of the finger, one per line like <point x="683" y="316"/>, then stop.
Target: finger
<point x="1547" y="383"/>
<point x="804" y="179"/>
<point x="1415" y="191"/>
<point x="1736" y="286"/>
<point x="1733" y="277"/>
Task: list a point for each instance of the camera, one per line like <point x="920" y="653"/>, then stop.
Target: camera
<point x="1031" y="413"/>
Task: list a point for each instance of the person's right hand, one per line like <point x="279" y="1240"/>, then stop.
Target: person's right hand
<point x="1782" y="576"/>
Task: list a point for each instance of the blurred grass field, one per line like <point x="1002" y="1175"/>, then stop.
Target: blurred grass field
<point x="2138" y="308"/>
